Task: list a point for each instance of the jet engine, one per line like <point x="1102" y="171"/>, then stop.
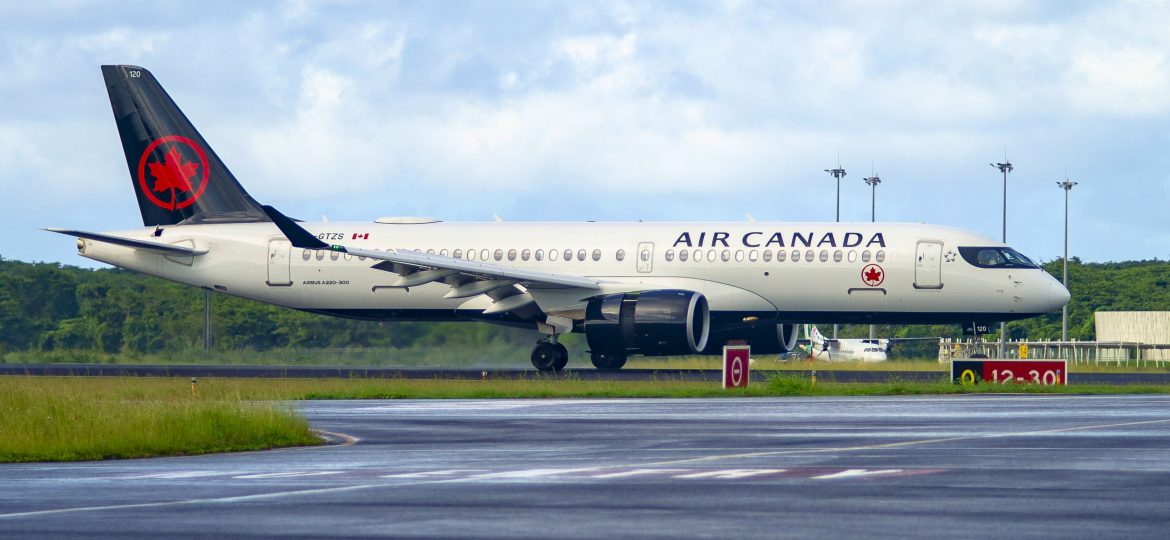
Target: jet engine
<point x="652" y="323"/>
<point x="765" y="338"/>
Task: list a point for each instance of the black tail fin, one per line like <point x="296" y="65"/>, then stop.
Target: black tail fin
<point x="176" y="175"/>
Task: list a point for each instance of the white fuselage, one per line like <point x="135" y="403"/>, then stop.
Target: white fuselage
<point x="793" y="272"/>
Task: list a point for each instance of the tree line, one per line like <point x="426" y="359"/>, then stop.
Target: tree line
<point x="54" y="307"/>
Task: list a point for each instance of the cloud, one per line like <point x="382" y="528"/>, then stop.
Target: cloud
<point x="613" y="111"/>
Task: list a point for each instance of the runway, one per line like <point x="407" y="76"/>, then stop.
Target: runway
<point x="924" y="467"/>
<point x="824" y="372"/>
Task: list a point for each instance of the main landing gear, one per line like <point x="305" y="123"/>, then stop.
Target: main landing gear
<point x="548" y="355"/>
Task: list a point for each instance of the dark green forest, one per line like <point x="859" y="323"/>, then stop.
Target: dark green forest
<point x="52" y="312"/>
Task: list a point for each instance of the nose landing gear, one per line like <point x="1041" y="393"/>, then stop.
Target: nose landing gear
<point x="548" y="355"/>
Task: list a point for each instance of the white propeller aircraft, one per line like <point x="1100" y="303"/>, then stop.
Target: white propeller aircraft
<point x="631" y="288"/>
<point x="845" y="350"/>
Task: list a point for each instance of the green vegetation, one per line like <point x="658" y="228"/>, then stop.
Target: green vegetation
<point x="87" y="418"/>
<point x="71" y="419"/>
<point x="55" y="313"/>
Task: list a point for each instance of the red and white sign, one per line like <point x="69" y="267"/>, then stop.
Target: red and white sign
<point x="873" y="275"/>
<point x="736" y="369"/>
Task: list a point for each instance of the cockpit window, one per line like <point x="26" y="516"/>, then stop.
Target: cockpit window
<point x="996" y="257"/>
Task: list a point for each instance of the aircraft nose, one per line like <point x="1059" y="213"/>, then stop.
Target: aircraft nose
<point x="1058" y="296"/>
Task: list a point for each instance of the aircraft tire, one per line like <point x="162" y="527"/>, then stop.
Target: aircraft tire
<point x="549" y="356"/>
<point x="607" y="362"/>
<point x="563" y="359"/>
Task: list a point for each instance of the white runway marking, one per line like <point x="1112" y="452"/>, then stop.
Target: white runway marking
<point x="855" y="473"/>
<point x="730" y="473"/>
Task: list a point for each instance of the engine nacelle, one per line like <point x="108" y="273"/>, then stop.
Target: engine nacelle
<point x="764" y="338"/>
<point x="652" y="323"/>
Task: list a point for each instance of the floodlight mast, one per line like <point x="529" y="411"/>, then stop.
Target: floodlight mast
<point x="873" y="181"/>
<point x="1067" y="186"/>
<point x="837" y="173"/>
<point x="1005" y="168"/>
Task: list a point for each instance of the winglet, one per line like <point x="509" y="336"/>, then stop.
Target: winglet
<point x="298" y="235"/>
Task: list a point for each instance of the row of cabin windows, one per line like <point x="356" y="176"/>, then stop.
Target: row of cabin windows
<point x="697" y="255"/>
<point x="781" y="255"/>
<point x="487" y="255"/>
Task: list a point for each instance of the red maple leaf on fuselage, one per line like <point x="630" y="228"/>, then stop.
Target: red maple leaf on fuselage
<point x="873" y="275"/>
<point x="173" y="172"/>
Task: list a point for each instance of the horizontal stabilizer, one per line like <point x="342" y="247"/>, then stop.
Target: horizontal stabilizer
<point x="156" y="247"/>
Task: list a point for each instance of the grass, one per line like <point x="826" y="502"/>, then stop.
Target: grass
<point x="73" y="419"/>
<point x="89" y="418"/>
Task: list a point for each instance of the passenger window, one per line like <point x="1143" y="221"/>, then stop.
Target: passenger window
<point x="852" y="256"/>
<point x="471" y="254"/>
<point x="711" y="255"/>
<point x="780" y="255"/>
<point x="768" y="255"/>
<point x="753" y="256"/>
<point x="865" y="256"/>
<point x="458" y="254"/>
<point x="837" y="256"/>
<point x="443" y="252"/>
<point x="698" y="256"/>
<point x="499" y="254"/>
<point x="596" y="255"/>
<point x="824" y="255"/>
<point x="361" y="257"/>
<point x="881" y="256"/>
<point x="333" y="255"/>
<point x="739" y="255"/>
<point x="307" y="255"/>
<point x="320" y="255"/>
<point x="795" y="255"/>
<point x="540" y="254"/>
<point x="726" y="255"/>
<point x="644" y="255"/>
<point x="553" y="254"/>
<point x="511" y="254"/>
<point x="810" y="255"/>
<point x="348" y="257"/>
<point x="568" y="254"/>
<point x="669" y="255"/>
<point x="524" y="255"/>
<point x="430" y="252"/>
<point x="580" y="254"/>
<point x="682" y="255"/>
<point x="483" y="254"/>
<point x="621" y="255"/>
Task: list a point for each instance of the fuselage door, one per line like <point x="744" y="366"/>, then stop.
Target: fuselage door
<point x="928" y="265"/>
<point x="645" y="256"/>
<point x="278" y="263"/>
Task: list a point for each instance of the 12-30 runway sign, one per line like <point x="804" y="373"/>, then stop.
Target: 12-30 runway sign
<point x="1043" y="372"/>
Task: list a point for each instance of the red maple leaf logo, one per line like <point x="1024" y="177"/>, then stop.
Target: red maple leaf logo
<point x="173" y="172"/>
<point x="873" y="275"/>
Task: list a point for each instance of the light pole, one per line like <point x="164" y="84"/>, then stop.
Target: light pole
<point x="1005" y="168"/>
<point x="873" y="181"/>
<point x="1067" y="186"/>
<point x="837" y="173"/>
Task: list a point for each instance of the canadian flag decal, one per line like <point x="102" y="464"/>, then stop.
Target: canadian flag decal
<point x="363" y="236"/>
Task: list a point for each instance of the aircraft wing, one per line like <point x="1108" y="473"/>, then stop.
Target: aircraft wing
<point x="156" y="247"/>
<point x="466" y="278"/>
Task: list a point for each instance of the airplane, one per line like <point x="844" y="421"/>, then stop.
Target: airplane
<point x="843" y="350"/>
<point x="634" y="288"/>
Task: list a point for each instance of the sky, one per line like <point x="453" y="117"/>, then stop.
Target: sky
<point x="625" y="111"/>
